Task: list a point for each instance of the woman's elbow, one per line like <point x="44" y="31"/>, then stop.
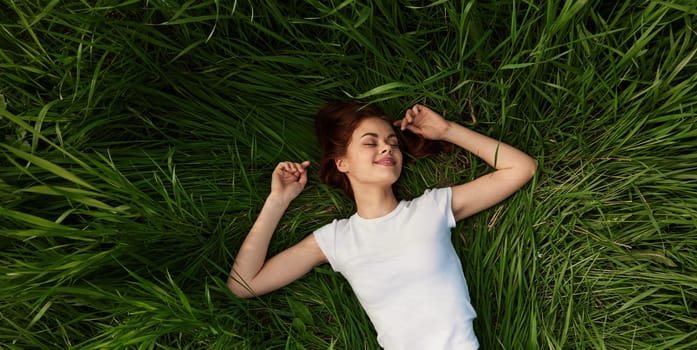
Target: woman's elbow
<point x="238" y="289"/>
<point x="528" y="169"/>
<point x="532" y="167"/>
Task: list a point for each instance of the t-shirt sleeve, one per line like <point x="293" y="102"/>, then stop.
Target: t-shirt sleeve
<point x="326" y="239"/>
<point x="443" y="201"/>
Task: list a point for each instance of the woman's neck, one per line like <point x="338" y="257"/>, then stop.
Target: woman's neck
<point x="373" y="203"/>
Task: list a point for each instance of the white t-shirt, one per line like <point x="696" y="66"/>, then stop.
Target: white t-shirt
<point x="404" y="270"/>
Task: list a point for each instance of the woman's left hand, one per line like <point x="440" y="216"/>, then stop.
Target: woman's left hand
<point x="421" y="120"/>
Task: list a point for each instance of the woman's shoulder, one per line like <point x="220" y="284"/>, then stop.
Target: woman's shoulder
<point x="334" y="226"/>
<point x="437" y="201"/>
<point x="434" y="193"/>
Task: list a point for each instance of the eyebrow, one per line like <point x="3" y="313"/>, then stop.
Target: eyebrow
<point x="376" y="135"/>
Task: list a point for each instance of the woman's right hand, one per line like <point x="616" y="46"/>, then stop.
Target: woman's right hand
<point x="289" y="179"/>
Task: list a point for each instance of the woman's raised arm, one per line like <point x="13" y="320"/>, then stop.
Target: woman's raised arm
<point x="513" y="167"/>
<point x="252" y="274"/>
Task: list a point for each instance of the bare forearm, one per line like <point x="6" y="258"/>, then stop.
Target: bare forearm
<point x="495" y="153"/>
<point x="252" y="253"/>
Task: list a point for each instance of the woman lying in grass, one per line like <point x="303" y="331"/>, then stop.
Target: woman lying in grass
<point x="397" y="255"/>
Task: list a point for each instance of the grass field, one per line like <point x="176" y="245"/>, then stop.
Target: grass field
<point x="138" y="138"/>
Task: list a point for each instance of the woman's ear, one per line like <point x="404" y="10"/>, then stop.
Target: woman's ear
<point x="341" y="164"/>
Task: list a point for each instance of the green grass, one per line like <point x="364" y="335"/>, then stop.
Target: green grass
<point x="138" y="138"/>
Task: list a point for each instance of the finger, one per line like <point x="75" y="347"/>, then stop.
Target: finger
<point x="398" y="123"/>
<point x="287" y="169"/>
<point x="402" y="122"/>
<point x="305" y="164"/>
<point x="411" y="119"/>
<point x="415" y="129"/>
<point x="287" y="173"/>
<point x="293" y="169"/>
<point x="408" y="119"/>
<point x="303" y="179"/>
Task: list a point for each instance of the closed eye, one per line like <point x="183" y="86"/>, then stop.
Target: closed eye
<point x="393" y="145"/>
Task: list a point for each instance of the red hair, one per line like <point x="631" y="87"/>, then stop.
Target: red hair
<point x="334" y="125"/>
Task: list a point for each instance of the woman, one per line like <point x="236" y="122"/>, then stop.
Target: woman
<point x="397" y="255"/>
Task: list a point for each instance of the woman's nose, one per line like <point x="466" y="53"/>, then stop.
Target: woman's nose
<point x="386" y="149"/>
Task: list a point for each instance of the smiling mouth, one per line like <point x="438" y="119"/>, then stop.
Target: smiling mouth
<point x="386" y="162"/>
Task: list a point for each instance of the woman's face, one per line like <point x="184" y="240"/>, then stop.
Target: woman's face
<point x="373" y="156"/>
